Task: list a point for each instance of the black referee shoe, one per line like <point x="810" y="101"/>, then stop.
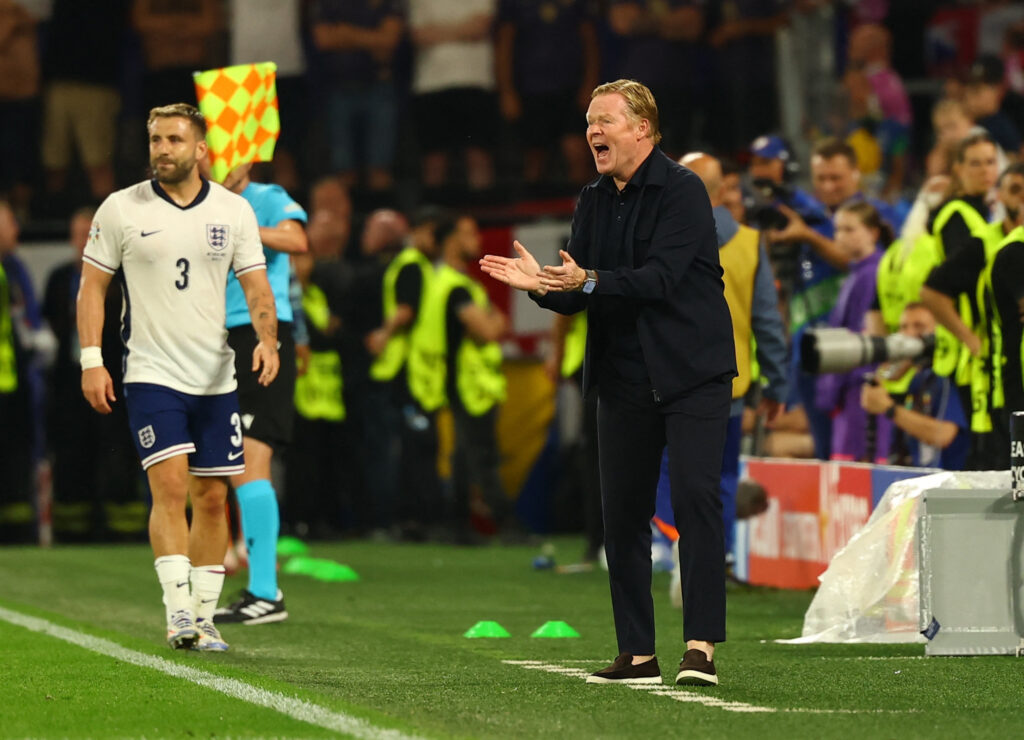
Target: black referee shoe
<point x="250" y="609"/>
<point x="696" y="670"/>
<point x="623" y="671"/>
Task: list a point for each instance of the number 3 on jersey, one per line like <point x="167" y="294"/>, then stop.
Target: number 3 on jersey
<point x="182" y="282"/>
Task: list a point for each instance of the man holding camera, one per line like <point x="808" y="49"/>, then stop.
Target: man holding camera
<point x="821" y="266"/>
<point x="930" y="427"/>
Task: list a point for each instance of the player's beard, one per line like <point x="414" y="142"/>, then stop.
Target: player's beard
<point x="178" y="174"/>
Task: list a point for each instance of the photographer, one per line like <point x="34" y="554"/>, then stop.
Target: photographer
<point x="822" y="265"/>
<point x="929" y="425"/>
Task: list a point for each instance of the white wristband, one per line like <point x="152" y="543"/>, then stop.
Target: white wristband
<point x="91" y="357"/>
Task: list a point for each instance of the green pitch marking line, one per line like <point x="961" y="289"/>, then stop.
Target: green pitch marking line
<point x="683" y="695"/>
<point x="295" y="708"/>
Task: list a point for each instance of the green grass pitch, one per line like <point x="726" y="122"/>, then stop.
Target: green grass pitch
<point x="387" y="653"/>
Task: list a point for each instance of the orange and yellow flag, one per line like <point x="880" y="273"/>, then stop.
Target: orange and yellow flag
<point x="240" y="107"/>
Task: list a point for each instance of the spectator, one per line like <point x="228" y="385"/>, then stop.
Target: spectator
<point x="355" y="41"/>
<point x="547" y="64"/>
<point x="951" y="124"/>
<point x="81" y="101"/>
<point x="19" y="98"/>
<point x="178" y="38"/>
<point x="96" y="486"/>
<point x="884" y="105"/>
<point x="264" y="30"/>
<point x="929" y="427"/>
<point x="984" y="95"/>
<point x="658" y="40"/>
<point x="21" y="392"/>
<point x="745" y="99"/>
<point x="860" y="232"/>
<point x="453" y="83"/>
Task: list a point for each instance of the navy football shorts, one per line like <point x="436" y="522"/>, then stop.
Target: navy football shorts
<point x="166" y="423"/>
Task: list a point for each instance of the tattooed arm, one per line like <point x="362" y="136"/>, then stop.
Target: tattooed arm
<point x="263" y="313"/>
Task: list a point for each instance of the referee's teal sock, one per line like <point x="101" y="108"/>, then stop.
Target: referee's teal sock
<point x="261" y="522"/>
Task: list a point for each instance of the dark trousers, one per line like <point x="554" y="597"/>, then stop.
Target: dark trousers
<point x="631" y="438"/>
<point x="381" y="451"/>
<point x="475" y="462"/>
<point x="320" y="468"/>
<point x="420" y="499"/>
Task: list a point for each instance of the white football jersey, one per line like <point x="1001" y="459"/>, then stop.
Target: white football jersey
<point x="176" y="263"/>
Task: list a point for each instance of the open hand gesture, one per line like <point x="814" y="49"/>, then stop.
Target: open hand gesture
<point x="522" y="272"/>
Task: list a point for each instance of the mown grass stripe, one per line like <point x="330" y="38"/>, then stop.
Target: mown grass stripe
<point x="290" y="706"/>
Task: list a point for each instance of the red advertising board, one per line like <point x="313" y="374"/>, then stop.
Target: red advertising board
<point x="814" y="509"/>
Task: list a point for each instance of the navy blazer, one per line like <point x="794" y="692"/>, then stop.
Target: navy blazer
<point x="683" y="321"/>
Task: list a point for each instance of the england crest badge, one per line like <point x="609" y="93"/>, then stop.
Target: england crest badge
<point x="217" y="235"/>
<point x="147" y="437"/>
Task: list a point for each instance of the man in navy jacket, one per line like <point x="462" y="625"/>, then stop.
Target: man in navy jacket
<point x="643" y="261"/>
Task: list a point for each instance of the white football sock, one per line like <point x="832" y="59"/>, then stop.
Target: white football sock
<point x="173" y="572"/>
<point x="207" y="582"/>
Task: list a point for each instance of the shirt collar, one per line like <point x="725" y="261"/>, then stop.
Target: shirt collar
<point x="204" y="190"/>
<point x="648" y="173"/>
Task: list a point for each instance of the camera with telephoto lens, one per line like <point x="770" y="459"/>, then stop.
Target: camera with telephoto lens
<point x="836" y="350"/>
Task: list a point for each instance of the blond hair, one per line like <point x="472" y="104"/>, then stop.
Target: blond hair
<point x="180" y="110"/>
<point x="639" y="102"/>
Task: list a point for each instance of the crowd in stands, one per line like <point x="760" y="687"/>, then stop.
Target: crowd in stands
<point x="404" y="120"/>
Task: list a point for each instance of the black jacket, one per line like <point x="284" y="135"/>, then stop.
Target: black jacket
<point x="683" y="321"/>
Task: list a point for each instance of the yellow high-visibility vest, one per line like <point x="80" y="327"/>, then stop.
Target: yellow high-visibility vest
<point x="8" y="367"/>
<point x="390" y="361"/>
<point x="318" y="393"/>
<point x="479" y="380"/>
<point x="739" y="257"/>
<point x="951" y="355"/>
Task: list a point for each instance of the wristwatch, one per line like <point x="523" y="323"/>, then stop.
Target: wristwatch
<point x="890" y="413"/>
<point x="590" y="282"/>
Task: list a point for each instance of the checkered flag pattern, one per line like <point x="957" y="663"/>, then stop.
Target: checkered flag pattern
<point x="240" y="107"/>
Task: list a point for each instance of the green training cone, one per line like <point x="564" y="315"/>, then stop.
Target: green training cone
<point x="486" y="629"/>
<point x="328" y="570"/>
<point x="300" y="565"/>
<point x="290" y="546"/>
<point x="555" y="629"/>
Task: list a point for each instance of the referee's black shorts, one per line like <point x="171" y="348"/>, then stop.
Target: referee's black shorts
<point x="267" y="411"/>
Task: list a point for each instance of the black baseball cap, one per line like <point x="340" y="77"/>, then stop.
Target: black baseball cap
<point x="987" y="69"/>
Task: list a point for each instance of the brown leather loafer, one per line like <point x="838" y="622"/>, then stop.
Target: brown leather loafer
<point x="696" y="670"/>
<point x="623" y="671"/>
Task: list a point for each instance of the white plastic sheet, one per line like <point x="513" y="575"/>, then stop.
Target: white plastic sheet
<point x="869" y="592"/>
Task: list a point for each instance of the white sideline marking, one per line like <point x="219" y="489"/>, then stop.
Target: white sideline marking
<point x="679" y="694"/>
<point x="291" y="706"/>
<point x="876" y="657"/>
